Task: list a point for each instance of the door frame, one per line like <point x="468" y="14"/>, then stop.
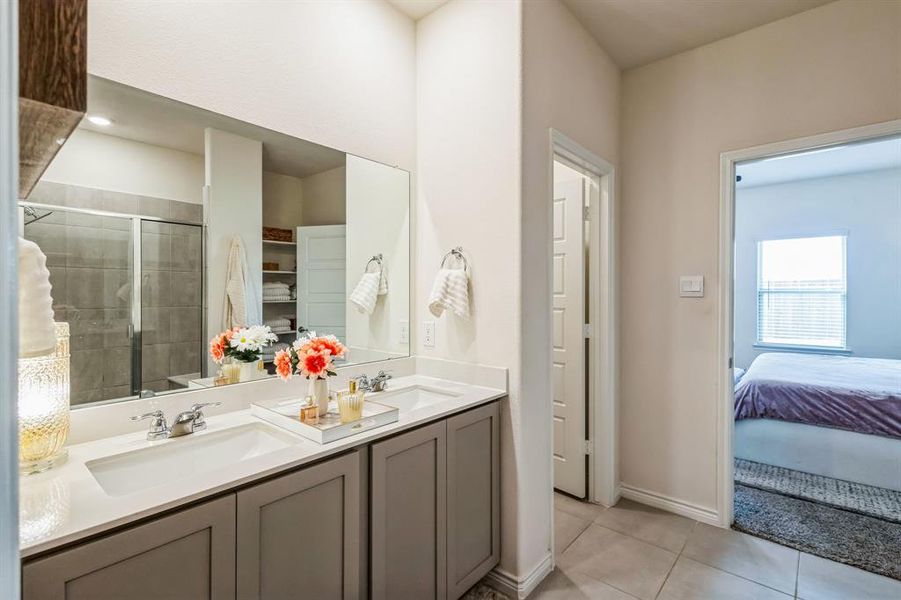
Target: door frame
<point x="602" y="419"/>
<point x="9" y="302"/>
<point x="725" y="284"/>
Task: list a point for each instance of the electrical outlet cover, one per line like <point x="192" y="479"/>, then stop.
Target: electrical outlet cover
<point x="428" y="334"/>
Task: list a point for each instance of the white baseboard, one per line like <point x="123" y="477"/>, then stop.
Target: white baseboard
<point x="519" y="589"/>
<point x="669" y="504"/>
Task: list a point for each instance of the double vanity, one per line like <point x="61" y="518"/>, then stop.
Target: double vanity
<point x="245" y="509"/>
<point x="202" y="267"/>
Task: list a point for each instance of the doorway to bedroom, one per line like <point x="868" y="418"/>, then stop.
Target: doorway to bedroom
<point x="816" y="349"/>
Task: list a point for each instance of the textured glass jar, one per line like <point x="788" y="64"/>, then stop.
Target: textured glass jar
<point x="44" y="406"/>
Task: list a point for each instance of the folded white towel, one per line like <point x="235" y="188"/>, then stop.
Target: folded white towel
<point x="450" y="291"/>
<point x="366" y="293"/>
<point x="275" y="285"/>
<point x="278" y="323"/>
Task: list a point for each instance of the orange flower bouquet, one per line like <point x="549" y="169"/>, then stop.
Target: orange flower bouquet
<point x="311" y="357"/>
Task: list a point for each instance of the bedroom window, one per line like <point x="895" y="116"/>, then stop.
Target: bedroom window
<point x="802" y="292"/>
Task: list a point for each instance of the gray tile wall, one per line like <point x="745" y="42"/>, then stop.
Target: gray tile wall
<point x="90" y="257"/>
<point x="170" y="296"/>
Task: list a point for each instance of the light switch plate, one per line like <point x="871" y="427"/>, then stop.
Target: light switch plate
<point x="428" y="334"/>
<point x="404" y="332"/>
<point x="691" y="286"/>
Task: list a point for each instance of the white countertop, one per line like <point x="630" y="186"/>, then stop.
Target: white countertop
<point x="67" y="503"/>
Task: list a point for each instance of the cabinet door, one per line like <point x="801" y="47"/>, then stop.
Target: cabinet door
<point x="188" y="555"/>
<point x="408" y="516"/>
<point x="299" y="535"/>
<point x="473" y="497"/>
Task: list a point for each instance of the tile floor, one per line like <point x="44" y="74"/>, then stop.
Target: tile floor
<point x="633" y="551"/>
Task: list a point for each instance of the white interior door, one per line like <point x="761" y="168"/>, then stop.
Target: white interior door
<point x="569" y="338"/>
<point x="320" y="279"/>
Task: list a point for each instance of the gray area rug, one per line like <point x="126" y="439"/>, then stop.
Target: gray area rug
<point x="863" y="499"/>
<point x="848" y="537"/>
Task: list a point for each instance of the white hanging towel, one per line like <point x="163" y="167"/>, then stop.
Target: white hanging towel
<point x="366" y="292"/>
<point x="383" y="281"/>
<point x="37" y="334"/>
<point x="241" y="307"/>
<point x="450" y="292"/>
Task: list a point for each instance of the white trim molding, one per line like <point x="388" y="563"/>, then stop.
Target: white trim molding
<point x="512" y="587"/>
<point x="9" y="300"/>
<point x="670" y="504"/>
<point x="728" y="160"/>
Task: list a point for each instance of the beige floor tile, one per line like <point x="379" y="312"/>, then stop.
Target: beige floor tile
<point x="691" y="580"/>
<point x="576" y="586"/>
<point x="767" y="563"/>
<point x="648" y="524"/>
<point x="566" y="529"/>
<point x="577" y="508"/>
<point x="627" y="564"/>
<point x="821" y="579"/>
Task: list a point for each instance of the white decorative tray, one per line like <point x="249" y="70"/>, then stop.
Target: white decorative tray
<point x="286" y="414"/>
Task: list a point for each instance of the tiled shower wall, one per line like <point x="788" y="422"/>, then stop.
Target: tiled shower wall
<point x="89" y="258"/>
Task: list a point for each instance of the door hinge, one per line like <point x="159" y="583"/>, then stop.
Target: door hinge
<point x="589" y="447"/>
<point x="731" y="362"/>
<point x="586" y="213"/>
<point x="587" y="330"/>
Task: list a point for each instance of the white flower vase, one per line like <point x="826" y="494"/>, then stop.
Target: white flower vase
<point x="249" y="370"/>
<point x="318" y="391"/>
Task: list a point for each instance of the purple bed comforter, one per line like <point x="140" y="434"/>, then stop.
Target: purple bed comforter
<point x="857" y="394"/>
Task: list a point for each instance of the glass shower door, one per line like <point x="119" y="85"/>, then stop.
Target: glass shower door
<point x="170" y="349"/>
<point x="90" y="259"/>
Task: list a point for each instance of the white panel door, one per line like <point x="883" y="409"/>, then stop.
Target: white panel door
<point x="320" y="279"/>
<point x="568" y="338"/>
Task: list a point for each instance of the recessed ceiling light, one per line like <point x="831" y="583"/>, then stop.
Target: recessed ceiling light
<point x="98" y="120"/>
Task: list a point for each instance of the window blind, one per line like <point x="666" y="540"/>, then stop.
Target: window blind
<point x="802" y="292"/>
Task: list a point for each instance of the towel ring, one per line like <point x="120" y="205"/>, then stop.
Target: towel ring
<point x="458" y="254"/>
<point x="375" y="259"/>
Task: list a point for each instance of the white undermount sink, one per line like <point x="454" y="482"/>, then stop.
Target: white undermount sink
<point x="414" y="397"/>
<point x="187" y="456"/>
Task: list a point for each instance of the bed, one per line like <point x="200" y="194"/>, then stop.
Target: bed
<point x="836" y="416"/>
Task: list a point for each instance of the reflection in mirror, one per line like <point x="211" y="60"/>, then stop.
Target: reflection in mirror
<point x="165" y="225"/>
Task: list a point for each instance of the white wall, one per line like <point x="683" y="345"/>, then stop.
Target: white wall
<point x="468" y="142"/>
<point x="864" y="206"/>
<point x="830" y="68"/>
<point x="105" y="162"/>
<point x="478" y="62"/>
<point x="570" y="84"/>
<point x="282" y="201"/>
<point x="325" y="197"/>
<point x="234" y="174"/>
<point x="378" y="222"/>
<point x="339" y="73"/>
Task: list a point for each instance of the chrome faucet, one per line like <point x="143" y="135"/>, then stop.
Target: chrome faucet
<point x="185" y="423"/>
<point x="376" y="384"/>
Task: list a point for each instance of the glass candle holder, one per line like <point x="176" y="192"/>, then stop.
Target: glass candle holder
<point x="350" y="406"/>
<point x="44" y="406"/>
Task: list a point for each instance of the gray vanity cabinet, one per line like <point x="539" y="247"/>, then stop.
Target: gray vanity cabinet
<point x="299" y="535"/>
<point x="473" y="497"/>
<point x="188" y="555"/>
<point x="408" y="515"/>
<point x="435" y="507"/>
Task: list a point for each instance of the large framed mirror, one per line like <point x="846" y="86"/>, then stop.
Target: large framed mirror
<point x="165" y="225"/>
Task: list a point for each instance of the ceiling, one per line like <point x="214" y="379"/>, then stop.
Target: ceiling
<point x="637" y="32"/>
<point x="417" y="9"/>
<point x="144" y="117"/>
<point x="823" y="162"/>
